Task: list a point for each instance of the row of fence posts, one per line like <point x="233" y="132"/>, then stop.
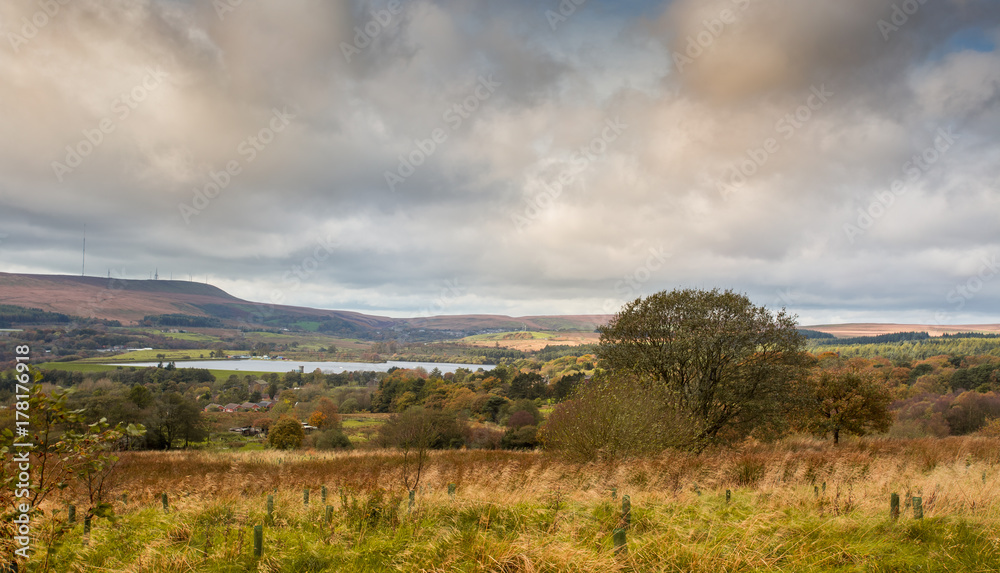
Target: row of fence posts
<point x="625" y="521"/>
<point x="619" y="534"/>
<point x="258" y="530"/>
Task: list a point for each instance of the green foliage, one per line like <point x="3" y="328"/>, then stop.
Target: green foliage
<point x="613" y="417"/>
<point x="722" y="362"/>
<point x="286" y="434"/>
<point x="848" y="396"/>
<point x="332" y="439"/>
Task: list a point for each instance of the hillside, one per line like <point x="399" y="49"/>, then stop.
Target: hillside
<point x="130" y="301"/>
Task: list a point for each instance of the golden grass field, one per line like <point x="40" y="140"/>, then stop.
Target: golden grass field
<point x="800" y="505"/>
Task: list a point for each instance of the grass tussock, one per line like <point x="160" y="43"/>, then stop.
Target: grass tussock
<point x="799" y="505"/>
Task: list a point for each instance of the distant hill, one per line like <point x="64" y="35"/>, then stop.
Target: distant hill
<point x="169" y="302"/>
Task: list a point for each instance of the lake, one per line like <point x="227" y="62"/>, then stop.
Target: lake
<point x="283" y="366"/>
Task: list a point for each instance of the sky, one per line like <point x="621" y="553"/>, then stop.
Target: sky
<point x="839" y="158"/>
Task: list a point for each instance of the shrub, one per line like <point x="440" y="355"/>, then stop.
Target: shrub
<point x="286" y="434"/>
<point x="331" y="440"/>
<point x="522" y="438"/>
<point x="614" y="418"/>
<point x="520" y="419"/>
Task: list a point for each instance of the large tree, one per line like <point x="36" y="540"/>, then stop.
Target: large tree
<point x="723" y="363"/>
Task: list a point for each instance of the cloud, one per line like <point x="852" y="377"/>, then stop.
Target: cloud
<point x="724" y="157"/>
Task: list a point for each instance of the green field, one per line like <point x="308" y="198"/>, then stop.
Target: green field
<point x="154" y="355"/>
<point x="91" y="367"/>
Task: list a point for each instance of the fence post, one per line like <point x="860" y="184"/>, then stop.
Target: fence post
<point x="322" y="494"/>
<point x="270" y="510"/>
<point x="626" y="511"/>
<point x="620" y="542"/>
<point x="918" y="508"/>
<point x="71" y="513"/>
<point x="166" y="505"/>
<point x="894" y="506"/>
<point x="86" y="525"/>
<point x="305" y="496"/>
<point x="258" y="540"/>
<point x="329" y="514"/>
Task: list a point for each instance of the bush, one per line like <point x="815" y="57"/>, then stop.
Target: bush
<point x="331" y="440"/>
<point x="286" y="434"/>
<point x="614" y="418"/>
<point x="522" y="438"/>
<point x="520" y="419"/>
<point x="482" y="437"/>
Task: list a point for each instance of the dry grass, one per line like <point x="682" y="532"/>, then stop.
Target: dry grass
<point x="529" y="512"/>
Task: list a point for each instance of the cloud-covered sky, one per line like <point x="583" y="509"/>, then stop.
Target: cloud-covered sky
<point x="837" y="157"/>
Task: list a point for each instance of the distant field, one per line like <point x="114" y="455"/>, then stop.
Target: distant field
<point x="192" y="336"/>
<point x="153" y="356"/>
<point x="89" y="367"/>
<point x="530" y="341"/>
<point x="851" y="330"/>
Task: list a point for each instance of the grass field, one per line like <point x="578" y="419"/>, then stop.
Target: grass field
<point x="529" y="341"/>
<point x="87" y="367"/>
<point x="797" y="506"/>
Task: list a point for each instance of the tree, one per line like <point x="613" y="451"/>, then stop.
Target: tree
<point x="847" y="396"/>
<point x="175" y="417"/>
<point x="331" y="417"/>
<point x="317" y="419"/>
<point x="415" y="431"/>
<point x="286" y="434"/>
<point x="724" y="363"/>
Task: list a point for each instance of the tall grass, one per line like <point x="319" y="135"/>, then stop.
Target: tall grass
<point x="531" y="512"/>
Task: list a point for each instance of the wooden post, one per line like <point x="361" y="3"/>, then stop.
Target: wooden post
<point x="626" y="511"/>
<point x="322" y="494"/>
<point x="621" y="546"/>
<point x="918" y="508"/>
<point x="305" y="496"/>
<point x="86" y="525"/>
<point x="258" y="540"/>
<point x="729" y="496"/>
<point x="894" y="506"/>
<point x="270" y="510"/>
<point x="329" y="514"/>
<point x="824" y="487"/>
<point x="71" y="513"/>
<point x="163" y="500"/>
